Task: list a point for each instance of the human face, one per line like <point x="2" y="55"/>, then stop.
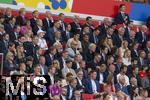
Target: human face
<point x="112" y="68"/>
<point x="57" y="25"/>
<point x="53" y="70"/>
<point x="86" y="38"/>
<point x="74" y="83"/>
<point x="94" y="74"/>
<point x="110" y="31"/>
<point x="68" y="27"/>
<point x="48" y="14"/>
<point x="80" y="75"/>
<point x="143" y="54"/>
<point x="69" y="65"/>
<point x="36" y="14"/>
<point x="74" y="45"/>
<point x="7" y="37"/>
<point x="64" y="91"/>
<point x="86" y="30"/>
<point x="37" y="70"/>
<point x="42" y="60"/>
<point x="123" y="8"/>
<point x="83" y="64"/>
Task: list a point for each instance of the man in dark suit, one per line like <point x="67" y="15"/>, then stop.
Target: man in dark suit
<point x="142" y="62"/>
<point x="122" y="17"/>
<point x="75" y="24"/>
<point x="71" y="88"/>
<point x="89" y="24"/>
<point x="95" y="61"/>
<point x="7" y="14"/>
<point x="50" y="33"/>
<point x="118" y="37"/>
<point x="10" y="25"/>
<point x="91" y="84"/>
<point x="44" y="68"/>
<point x="134" y="50"/>
<point x="31" y="47"/>
<point x="35" y="15"/>
<point x="104" y="52"/>
<point x="63" y="95"/>
<point x="103" y="27"/>
<point x="50" y="56"/>
<point x="21" y="20"/>
<point x="61" y="17"/>
<point x="77" y="60"/>
<point x="66" y="35"/>
<point x="62" y="59"/>
<point x="15" y="34"/>
<point x="80" y="85"/>
<point x="141" y="36"/>
<point x="85" y="44"/>
<point x="94" y="36"/>
<point x="38" y="26"/>
<point x="50" y="77"/>
<point x="4" y="43"/>
<point x="48" y="20"/>
<point x="101" y="75"/>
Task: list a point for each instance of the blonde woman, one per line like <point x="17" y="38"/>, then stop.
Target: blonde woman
<point x="56" y="64"/>
<point x="127" y="58"/>
<point x="108" y="43"/>
<point x="123" y="48"/>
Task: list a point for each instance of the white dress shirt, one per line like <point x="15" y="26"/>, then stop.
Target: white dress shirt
<point x="94" y="88"/>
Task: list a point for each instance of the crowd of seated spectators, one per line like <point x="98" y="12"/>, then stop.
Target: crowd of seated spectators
<point x="111" y="61"/>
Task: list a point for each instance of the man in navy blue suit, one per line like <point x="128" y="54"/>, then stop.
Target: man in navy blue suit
<point x="91" y="84"/>
<point x="141" y="36"/>
<point x="50" y="33"/>
<point x="94" y="36"/>
<point x="122" y="17"/>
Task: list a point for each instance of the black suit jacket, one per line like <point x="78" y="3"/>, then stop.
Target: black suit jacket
<point x="33" y="22"/>
<point x="134" y="54"/>
<point x="74" y="26"/>
<point x="63" y="99"/>
<point x="10" y="30"/>
<point x="98" y="76"/>
<point x="120" y="20"/>
<point x="68" y="93"/>
<point x="48" y="79"/>
<point x="65" y="38"/>
<point x="102" y="29"/>
<point x="61" y="63"/>
<point x="46" y="25"/>
<point x="3" y="47"/>
<point x="20" y="21"/>
<point x="116" y="40"/>
<point x="48" y="60"/>
<point x="139" y="38"/>
<point x="92" y="40"/>
<point x="79" y="86"/>
<point x="30" y="48"/>
<point x="36" y="28"/>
